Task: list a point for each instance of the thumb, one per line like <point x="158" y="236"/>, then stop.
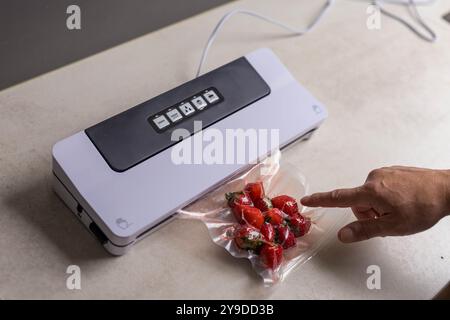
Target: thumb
<point x="363" y="230"/>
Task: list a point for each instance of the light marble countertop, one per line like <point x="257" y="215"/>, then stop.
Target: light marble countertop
<point x="388" y="96"/>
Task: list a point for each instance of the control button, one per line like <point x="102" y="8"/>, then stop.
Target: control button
<point x="174" y="115"/>
<point x="211" y="96"/>
<point x="199" y="103"/>
<point x="161" y="122"/>
<point x="187" y="108"/>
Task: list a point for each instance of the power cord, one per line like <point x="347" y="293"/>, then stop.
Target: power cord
<point x="429" y="34"/>
<point x="295" y="31"/>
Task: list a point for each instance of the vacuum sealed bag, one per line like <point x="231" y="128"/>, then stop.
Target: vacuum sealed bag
<point x="258" y="216"/>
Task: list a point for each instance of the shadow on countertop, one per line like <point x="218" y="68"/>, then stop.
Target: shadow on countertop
<point x="39" y="205"/>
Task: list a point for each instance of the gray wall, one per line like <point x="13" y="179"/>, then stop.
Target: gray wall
<point x="34" y="38"/>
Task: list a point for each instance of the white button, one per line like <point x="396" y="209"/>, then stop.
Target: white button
<point x="174" y="115"/>
<point x="161" y="122"/>
<point x="211" y="96"/>
<point x="187" y="108"/>
<point x="199" y="103"/>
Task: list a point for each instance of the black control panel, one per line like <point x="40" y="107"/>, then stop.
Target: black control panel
<point x="143" y="131"/>
<point x="189" y="107"/>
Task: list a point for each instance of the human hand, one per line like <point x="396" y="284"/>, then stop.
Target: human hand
<point x="393" y="201"/>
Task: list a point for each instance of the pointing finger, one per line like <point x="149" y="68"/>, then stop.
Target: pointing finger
<point x="341" y="198"/>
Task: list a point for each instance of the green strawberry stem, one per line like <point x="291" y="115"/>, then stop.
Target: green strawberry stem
<point x="229" y="196"/>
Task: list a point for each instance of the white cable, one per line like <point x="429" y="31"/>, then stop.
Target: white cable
<point x="429" y="34"/>
<point x="295" y="31"/>
<point x="403" y="2"/>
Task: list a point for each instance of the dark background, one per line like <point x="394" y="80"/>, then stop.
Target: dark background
<point x="34" y="38"/>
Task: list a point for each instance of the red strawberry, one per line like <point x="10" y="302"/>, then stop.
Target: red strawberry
<point x="271" y="255"/>
<point x="241" y="197"/>
<point x="255" y="190"/>
<point x="274" y="216"/>
<point x="285" y="237"/>
<point x="237" y="212"/>
<point x="299" y="225"/>
<point x="248" y="215"/>
<point x="248" y="238"/>
<point x="268" y="232"/>
<point x="263" y="204"/>
<point x="286" y="204"/>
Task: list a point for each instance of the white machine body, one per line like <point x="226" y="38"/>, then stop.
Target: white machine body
<point x="122" y="206"/>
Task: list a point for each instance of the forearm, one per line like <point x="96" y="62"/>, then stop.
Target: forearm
<point x="445" y="176"/>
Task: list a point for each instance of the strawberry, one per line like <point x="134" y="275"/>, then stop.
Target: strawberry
<point x="285" y="237"/>
<point x="286" y="204"/>
<point x="255" y="190"/>
<point x="268" y="232"/>
<point x="299" y="225"/>
<point x="263" y="204"/>
<point x="274" y="216"/>
<point x="237" y="212"/>
<point x="241" y="197"/>
<point x="248" y="238"/>
<point x="248" y="215"/>
<point x="271" y="255"/>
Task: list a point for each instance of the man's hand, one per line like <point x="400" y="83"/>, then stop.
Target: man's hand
<point x="394" y="201"/>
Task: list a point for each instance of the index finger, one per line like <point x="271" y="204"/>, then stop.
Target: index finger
<point x="339" y="198"/>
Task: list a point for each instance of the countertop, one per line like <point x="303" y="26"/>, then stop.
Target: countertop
<point x="388" y="97"/>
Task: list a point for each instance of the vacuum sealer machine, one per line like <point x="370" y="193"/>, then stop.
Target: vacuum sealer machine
<point x="119" y="176"/>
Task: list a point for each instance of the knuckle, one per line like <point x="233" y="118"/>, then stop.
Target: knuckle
<point x="378" y="188"/>
<point x="377" y="173"/>
<point x="335" y="195"/>
<point x="370" y="187"/>
<point x="375" y="188"/>
<point x="374" y="173"/>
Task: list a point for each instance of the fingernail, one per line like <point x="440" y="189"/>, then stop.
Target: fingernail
<point x="305" y="200"/>
<point x="346" y="235"/>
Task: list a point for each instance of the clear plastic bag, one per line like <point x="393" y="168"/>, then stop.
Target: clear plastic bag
<point x="278" y="179"/>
